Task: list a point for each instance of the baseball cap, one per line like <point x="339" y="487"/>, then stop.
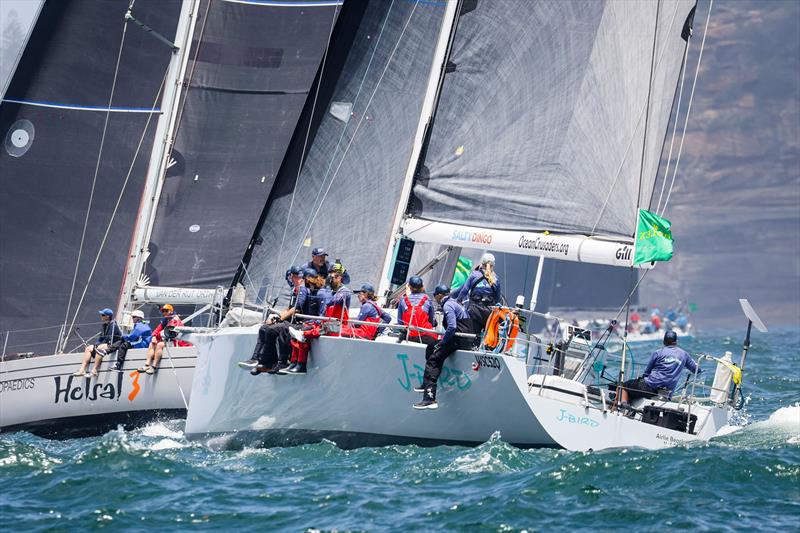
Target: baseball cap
<point x="415" y="282"/>
<point x="106" y="311"/>
<point x="310" y="273"/>
<point x="167" y="307"/>
<point x="366" y="287"/>
<point x="319" y="251"/>
<point x="670" y="337"/>
<point x="295" y="271"/>
<point x="138" y="314"/>
<point x="441" y="289"/>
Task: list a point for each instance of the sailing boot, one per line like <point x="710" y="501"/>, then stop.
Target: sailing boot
<point x="428" y="400"/>
<point x="298" y="370"/>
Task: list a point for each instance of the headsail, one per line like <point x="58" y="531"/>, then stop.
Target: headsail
<point x="250" y="70"/>
<point x="349" y="186"/>
<point x="555" y="125"/>
<point x="52" y="121"/>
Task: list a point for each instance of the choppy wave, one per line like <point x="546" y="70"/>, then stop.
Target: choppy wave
<point x="154" y="478"/>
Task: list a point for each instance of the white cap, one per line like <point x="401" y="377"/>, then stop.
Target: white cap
<point x="138" y="313"/>
<point x="487" y="258"/>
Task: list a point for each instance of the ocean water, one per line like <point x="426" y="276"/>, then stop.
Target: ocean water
<point x="152" y="478"/>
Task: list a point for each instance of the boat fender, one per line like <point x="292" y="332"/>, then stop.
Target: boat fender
<point x="476" y="366"/>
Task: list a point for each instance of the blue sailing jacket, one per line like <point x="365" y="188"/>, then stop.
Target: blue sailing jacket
<point x="664" y="368"/>
<point x="477" y="286"/>
<point x="140" y="335"/>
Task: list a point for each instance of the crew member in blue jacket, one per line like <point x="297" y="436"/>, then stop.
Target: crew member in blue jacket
<point x="139" y="337"/>
<point x="274" y="342"/>
<point x="663" y="371"/>
<point x="479" y="293"/>
<point x="319" y="262"/>
<point x="456" y="320"/>
<point x="109" y="335"/>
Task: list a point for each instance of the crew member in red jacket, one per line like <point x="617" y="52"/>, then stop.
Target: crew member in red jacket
<point x="163" y="335"/>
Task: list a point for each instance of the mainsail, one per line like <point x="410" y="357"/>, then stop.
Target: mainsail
<point x="250" y="69"/>
<point x="350" y="182"/>
<point x="555" y="125"/>
<point x="54" y="117"/>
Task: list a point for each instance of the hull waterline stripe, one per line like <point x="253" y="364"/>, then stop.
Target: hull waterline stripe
<point x="342" y="439"/>
<point x="72" y="107"/>
<point x="34" y="368"/>
<point x="124" y="370"/>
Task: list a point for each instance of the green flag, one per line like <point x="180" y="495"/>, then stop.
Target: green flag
<point x="653" y="238"/>
<point x="463" y="268"/>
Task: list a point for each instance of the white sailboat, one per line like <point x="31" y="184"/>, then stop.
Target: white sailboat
<point x="569" y="192"/>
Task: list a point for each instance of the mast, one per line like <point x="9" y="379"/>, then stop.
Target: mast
<point x="435" y="80"/>
<point x="159" y="158"/>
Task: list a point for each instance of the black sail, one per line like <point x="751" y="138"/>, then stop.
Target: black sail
<point x="52" y="120"/>
<point x="249" y="73"/>
<point x="360" y="144"/>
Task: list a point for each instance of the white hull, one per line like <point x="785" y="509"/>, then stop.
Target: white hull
<point x="576" y="424"/>
<point x="357" y="393"/>
<point x="41" y="395"/>
<point x="360" y="393"/>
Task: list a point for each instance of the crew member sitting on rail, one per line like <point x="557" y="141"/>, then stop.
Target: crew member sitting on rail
<point x="335" y="308"/>
<point x="479" y="292"/>
<point x="663" y="371"/>
<point x="273" y="336"/>
<point x="369" y="312"/>
<point x="319" y="262"/>
<point x="456" y="319"/>
<point x="139" y="337"/>
<point x="163" y="335"/>
<point x="415" y="309"/>
<point x="109" y="334"/>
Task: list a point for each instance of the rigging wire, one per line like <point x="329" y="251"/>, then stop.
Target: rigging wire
<point x="355" y="132"/>
<point x="647" y="107"/>
<point x="305" y="145"/>
<point x="675" y="125"/>
<point x="116" y="206"/>
<point x="61" y="340"/>
<point x="688" y="109"/>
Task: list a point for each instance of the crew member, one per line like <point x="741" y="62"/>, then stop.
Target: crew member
<point x="163" y="335"/>
<point x="663" y="371"/>
<point x="416" y="309"/>
<point x="109" y="334"/>
<point x="139" y="337"/>
<point x="370" y="312"/>
<point x="319" y="262"/>
<point x="479" y="292"/>
<point x="336" y="307"/>
<point x="456" y="319"/>
<point x="273" y="335"/>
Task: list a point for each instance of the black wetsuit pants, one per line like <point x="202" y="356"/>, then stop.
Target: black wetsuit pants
<point x="441" y="351"/>
<point x="273" y="341"/>
<point x="478" y="313"/>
